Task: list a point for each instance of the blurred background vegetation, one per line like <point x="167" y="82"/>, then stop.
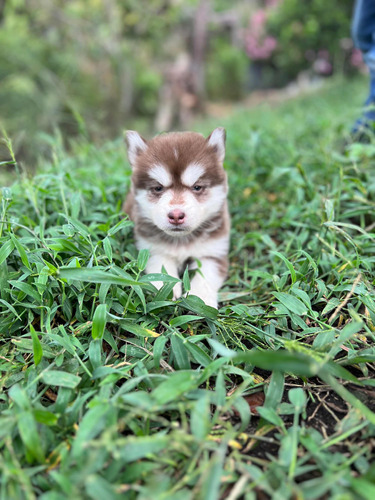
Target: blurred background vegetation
<point x="95" y="67"/>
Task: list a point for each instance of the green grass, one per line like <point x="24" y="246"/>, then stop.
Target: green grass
<point x="111" y="390"/>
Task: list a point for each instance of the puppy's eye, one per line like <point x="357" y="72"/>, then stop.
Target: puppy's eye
<point x="197" y="188"/>
<point x="157" y="189"/>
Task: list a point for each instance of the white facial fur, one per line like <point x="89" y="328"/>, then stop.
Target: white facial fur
<point x="161" y="175"/>
<point x="197" y="210"/>
<point x="191" y="174"/>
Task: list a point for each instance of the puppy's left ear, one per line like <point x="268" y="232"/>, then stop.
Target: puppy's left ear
<point x="217" y="141"/>
<point x="135" y="144"/>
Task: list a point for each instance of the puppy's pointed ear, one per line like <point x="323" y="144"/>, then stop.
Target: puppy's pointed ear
<point x="217" y="141"/>
<point x="135" y="144"/>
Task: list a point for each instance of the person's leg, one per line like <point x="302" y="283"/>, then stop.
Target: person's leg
<point x="363" y="34"/>
<point x="363" y="25"/>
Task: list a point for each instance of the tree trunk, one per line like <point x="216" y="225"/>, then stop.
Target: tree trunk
<point x="199" y="49"/>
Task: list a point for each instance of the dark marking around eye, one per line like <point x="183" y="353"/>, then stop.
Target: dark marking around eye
<point x="198" y="189"/>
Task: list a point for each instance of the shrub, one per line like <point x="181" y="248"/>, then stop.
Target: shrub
<point x="307" y="32"/>
<point x="227" y="67"/>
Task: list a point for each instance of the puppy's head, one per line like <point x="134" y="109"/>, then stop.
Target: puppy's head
<point x="178" y="179"/>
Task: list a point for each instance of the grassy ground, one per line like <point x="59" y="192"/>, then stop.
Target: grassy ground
<point x="110" y="390"/>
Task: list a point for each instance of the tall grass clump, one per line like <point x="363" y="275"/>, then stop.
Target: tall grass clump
<point x="109" y="389"/>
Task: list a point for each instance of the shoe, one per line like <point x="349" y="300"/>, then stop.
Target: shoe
<point x="363" y="129"/>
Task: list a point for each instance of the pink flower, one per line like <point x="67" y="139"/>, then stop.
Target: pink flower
<point x="258" y="44"/>
<point x="322" y="66"/>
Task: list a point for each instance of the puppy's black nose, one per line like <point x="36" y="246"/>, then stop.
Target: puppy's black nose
<point x="176" y="216"/>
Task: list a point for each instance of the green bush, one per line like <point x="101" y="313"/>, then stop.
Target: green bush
<point x="307" y="30"/>
<point x="226" y="68"/>
<point x="67" y="64"/>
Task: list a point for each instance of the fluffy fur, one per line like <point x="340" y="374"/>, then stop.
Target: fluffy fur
<point x="178" y="202"/>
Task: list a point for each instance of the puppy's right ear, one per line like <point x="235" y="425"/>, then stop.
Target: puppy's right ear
<point x="135" y="144"/>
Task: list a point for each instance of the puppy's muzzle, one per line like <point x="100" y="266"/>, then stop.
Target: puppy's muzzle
<point x="176" y="217"/>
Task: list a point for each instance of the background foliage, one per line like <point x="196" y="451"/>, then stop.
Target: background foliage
<point x="95" y="68"/>
<point x="311" y="32"/>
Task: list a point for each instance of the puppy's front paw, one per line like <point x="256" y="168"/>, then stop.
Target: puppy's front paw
<point x="177" y="291"/>
<point x="205" y="293"/>
<point x="209" y="301"/>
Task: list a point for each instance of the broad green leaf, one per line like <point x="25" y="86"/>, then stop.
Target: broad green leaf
<point x="138" y="290"/>
<point x="164" y="293"/>
<point x="275" y="390"/>
<point x="63" y="245"/>
<point x="195" y="304"/>
<point x="139" y="399"/>
<point x="137" y="330"/>
<point x="180" y="353"/>
<point x="37" y="346"/>
<point x="133" y="449"/>
<point x="5" y="250"/>
<point x="213" y="473"/>
<point x="200" y="418"/>
<point x="30" y="435"/>
<point x="174" y="387"/>
<point x="103" y="291"/>
<point x="61" y="379"/>
<point x="19" y="396"/>
<point x="297" y="397"/>
<point x="94" y="275"/>
<point x="198" y="354"/>
<point x="287" y="449"/>
<point x="68" y="230"/>
<point x="91" y="425"/>
<point x="329" y="209"/>
<point x="99" y="321"/>
<point x="165" y="278"/>
<point x="11" y="308"/>
<point x="221" y="349"/>
<point x="183" y="320"/>
<point x="292" y="303"/>
<point x="282" y="361"/>
<point x="26" y="345"/>
<point x="271" y="416"/>
<point x="143" y="257"/>
<point x="160" y="304"/>
<point x="95" y="352"/>
<point x="124" y="223"/>
<point x="345" y="334"/>
<point x="28" y="289"/>
<point x="220" y="390"/>
<point x="158" y="349"/>
<point x="80" y="227"/>
<point x="288" y="264"/>
<point x="243" y="409"/>
<point x="363" y="487"/>
<point x="98" y="488"/>
<point x="138" y="470"/>
<point x="331" y="305"/>
<point x="186" y="280"/>
<point x="108" y="248"/>
<point x="45" y="417"/>
<point x="21" y="251"/>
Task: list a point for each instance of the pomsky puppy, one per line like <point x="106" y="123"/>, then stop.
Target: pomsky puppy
<point x="178" y="203"/>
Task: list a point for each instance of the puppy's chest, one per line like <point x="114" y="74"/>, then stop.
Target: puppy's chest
<point x="180" y="253"/>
